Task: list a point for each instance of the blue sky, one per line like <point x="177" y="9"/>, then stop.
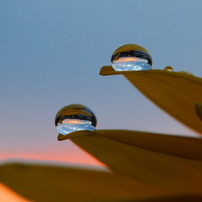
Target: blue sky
<point x="52" y="51"/>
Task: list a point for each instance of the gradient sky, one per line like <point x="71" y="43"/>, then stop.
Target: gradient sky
<point x="51" y="53"/>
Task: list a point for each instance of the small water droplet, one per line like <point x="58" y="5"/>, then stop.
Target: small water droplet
<point x="131" y="57"/>
<point x="169" y="69"/>
<point x="73" y="118"/>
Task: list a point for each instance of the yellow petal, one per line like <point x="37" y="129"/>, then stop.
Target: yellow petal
<point x="52" y="183"/>
<point x="169" y="162"/>
<point x="185" y="147"/>
<point x="178" y="93"/>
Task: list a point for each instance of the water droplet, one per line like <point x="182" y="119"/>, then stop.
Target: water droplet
<point x="73" y="118"/>
<point x="169" y="69"/>
<point x="131" y="57"/>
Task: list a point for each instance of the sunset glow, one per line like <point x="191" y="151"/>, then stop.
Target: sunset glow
<point x="71" y="121"/>
<point x="127" y="59"/>
<point x="58" y="153"/>
<point x="130" y="59"/>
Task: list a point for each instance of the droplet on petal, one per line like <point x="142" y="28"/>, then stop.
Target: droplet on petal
<point x="169" y="69"/>
<point x="75" y="117"/>
<point x="131" y="57"/>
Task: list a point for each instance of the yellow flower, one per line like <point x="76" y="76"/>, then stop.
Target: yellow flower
<point x="143" y="166"/>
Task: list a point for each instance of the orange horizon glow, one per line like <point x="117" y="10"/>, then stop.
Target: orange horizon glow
<point x="130" y="59"/>
<point x="127" y="59"/>
<point x="72" y="121"/>
<point x="77" y="156"/>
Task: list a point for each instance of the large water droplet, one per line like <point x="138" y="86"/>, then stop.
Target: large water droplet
<point x="73" y="118"/>
<point x="131" y="57"/>
<point x="169" y="69"/>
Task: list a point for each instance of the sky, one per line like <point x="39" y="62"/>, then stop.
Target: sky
<point x="51" y="52"/>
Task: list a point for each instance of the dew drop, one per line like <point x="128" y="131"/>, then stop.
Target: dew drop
<point x="169" y="69"/>
<point x="131" y="57"/>
<point x="75" y="117"/>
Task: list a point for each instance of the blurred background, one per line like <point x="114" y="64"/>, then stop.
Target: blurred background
<point x="51" y="52"/>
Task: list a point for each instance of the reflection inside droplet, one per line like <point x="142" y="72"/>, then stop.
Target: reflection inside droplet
<point x="169" y="69"/>
<point x="74" y="118"/>
<point x="130" y="64"/>
<point x="131" y="57"/>
<point x="72" y="125"/>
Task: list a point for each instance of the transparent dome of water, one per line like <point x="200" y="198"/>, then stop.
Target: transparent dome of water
<point x="131" y="57"/>
<point x="74" y="118"/>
